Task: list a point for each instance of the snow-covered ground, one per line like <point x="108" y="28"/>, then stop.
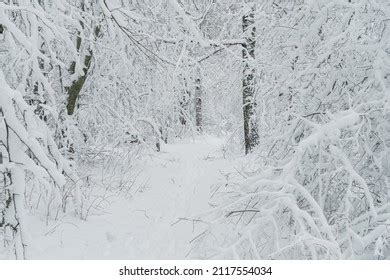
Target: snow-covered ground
<point x="150" y="224"/>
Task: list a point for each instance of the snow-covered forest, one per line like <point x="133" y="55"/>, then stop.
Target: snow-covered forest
<point x="195" y="129"/>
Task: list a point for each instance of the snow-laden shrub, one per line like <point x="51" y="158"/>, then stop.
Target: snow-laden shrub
<point x="30" y="163"/>
<point x="34" y="173"/>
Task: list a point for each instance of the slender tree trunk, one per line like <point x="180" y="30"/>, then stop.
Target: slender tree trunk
<point x="251" y="136"/>
<point x="12" y="187"/>
<point x="198" y="104"/>
<point x="183" y="103"/>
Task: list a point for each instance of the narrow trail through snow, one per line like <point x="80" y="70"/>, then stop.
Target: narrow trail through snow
<point x="178" y="182"/>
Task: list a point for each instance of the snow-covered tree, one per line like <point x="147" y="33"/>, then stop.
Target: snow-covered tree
<point x="324" y="86"/>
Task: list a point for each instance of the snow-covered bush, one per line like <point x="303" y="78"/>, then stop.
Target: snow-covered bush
<point x="30" y="163"/>
<point x="34" y="172"/>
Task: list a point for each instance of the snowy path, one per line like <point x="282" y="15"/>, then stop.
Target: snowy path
<point x="178" y="185"/>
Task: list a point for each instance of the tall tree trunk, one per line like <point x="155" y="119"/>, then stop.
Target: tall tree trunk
<point x="198" y="103"/>
<point x="251" y="136"/>
<point x="77" y="85"/>
<point x="183" y="103"/>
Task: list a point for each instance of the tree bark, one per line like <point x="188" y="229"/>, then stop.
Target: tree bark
<point x="184" y="103"/>
<point x="251" y="136"/>
<point x="77" y="85"/>
<point x="198" y="104"/>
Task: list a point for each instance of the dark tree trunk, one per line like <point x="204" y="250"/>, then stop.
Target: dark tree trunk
<point x="184" y="103"/>
<point x="77" y="85"/>
<point x="198" y="104"/>
<point x="251" y="136"/>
